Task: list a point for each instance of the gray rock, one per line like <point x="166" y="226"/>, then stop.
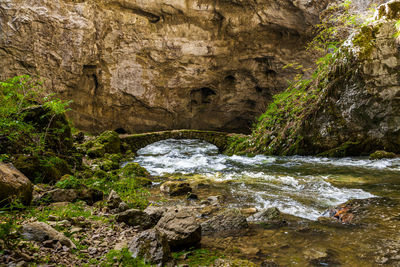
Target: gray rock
<point x="151" y="246"/>
<point x="269" y="215"/>
<point x="228" y="220"/>
<point x="180" y="227"/>
<point x="212" y="200"/>
<point x="122" y="207"/>
<point x="134" y="217"/>
<point x="40" y="231"/>
<point x="113" y="200"/>
<point x="88" y="195"/>
<point x="155" y="212"/>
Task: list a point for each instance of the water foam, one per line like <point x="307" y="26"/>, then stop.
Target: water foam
<point x="266" y="181"/>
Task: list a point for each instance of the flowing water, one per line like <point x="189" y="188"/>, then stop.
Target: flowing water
<point x="301" y="186"/>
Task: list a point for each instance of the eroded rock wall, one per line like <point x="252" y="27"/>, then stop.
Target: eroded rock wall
<point x="147" y="65"/>
<point x="361" y="112"/>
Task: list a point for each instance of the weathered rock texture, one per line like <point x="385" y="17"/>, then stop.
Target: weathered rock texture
<point x="361" y="111"/>
<point x="355" y="102"/>
<point x="13" y="184"/>
<point x="40" y="231"/>
<point x="158" y="64"/>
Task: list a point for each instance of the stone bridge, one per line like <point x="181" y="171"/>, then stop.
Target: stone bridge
<point x="138" y="141"/>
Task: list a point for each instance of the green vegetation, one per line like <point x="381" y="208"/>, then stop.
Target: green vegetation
<point x="34" y="132"/>
<point x="71" y="210"/>
<point x="69" y="182"/>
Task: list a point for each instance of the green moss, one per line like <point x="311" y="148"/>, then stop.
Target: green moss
<point x="365" y="40"/>
<point x="110" y="141"/>
<point x="42" y="169"/>
<point x="107" y="142"/>
<point x="69" y="182"/>
<point x="96" y="151"/>
<point x="380" y="154"/>
<point x="134" y="169"/>
<point x="108" y="165"/>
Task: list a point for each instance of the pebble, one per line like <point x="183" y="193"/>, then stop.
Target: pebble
<point x="92" y="250"/>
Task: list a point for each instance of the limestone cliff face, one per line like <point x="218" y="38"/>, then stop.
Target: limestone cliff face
<point x="351" y="108"/>
<point x="361" y="111"/>
<point x="147" y="65"/>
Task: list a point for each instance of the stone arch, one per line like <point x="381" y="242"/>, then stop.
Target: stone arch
<point x="138" y="141"/>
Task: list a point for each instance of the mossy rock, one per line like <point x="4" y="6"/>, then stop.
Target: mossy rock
<point x="114" y="157"/>
<point x="44" y="169"/>
<point x="107" y="142"/>
<point x="134" y="169"/>
<point x="108" y="165"/>
<point x="380" y="154"/>
<point x="142" y="181"/>
<point x="100" y="174"/>
<point x="59" y="135"/>
<point x="96" y="151"/>
<point x="110" y="141"/>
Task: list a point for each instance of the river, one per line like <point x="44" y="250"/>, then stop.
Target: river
<point x="304" y="187"/>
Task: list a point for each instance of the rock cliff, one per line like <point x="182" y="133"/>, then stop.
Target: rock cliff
<point x="146" y="65"/>
<point x="351" y="108"/>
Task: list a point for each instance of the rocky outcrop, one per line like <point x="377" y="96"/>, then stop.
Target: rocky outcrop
<point x="13" y="184"/>
<point x="160" y="64"/>
<point x="351" y="106"/>
<point x="360" y="113"/>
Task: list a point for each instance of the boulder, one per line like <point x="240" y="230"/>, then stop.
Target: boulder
<point x="228" y="220"/>
<point x="14" y="184"/>
<point x="175" y="188"/>
<point x="40" y="231"/>
<point x="60" y="195"/>
<point x="133" y="169"/>
<point x="107" y="142"/>
<point x="42" y="169"/>
<point x="134" y="217"/>
<point x="115" y="203"/>
<point x="180" y="227"/>
<point x="155" y="213"/>
<point x="271" y="216"/>
<point x="151" y="246"/>
<point x="212" y="201"/>
<point x="381" y="154"/>
<point x="89" y="195"/>
<point x="113" y="200"/>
